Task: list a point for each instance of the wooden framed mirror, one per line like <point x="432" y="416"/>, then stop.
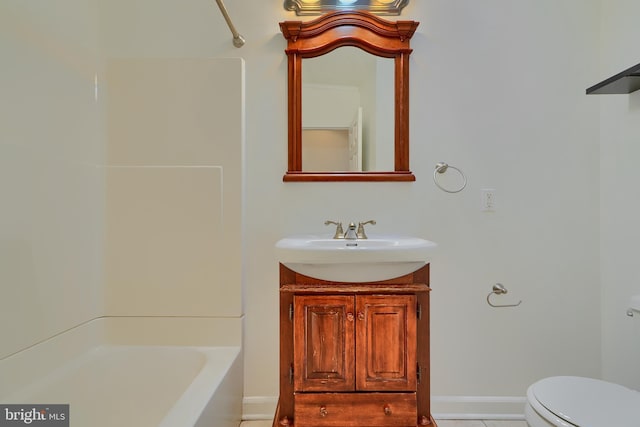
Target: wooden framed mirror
<point x="378" y="39"/>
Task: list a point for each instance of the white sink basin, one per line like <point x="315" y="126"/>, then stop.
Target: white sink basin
<point x="380" y="257"/>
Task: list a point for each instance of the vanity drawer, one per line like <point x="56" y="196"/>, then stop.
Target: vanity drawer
<point x="355" y="410"/>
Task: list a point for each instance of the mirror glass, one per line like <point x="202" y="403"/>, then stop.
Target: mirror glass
<point x="348" y="112"/>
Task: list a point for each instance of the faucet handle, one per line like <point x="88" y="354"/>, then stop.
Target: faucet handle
<point x="339" y="231"/>
<point x="361" y="234"/>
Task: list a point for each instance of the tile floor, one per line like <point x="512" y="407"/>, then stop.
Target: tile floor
<point x="441" y="423"/>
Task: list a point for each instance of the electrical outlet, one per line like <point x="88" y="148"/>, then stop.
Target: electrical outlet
<point x="488" y="200"/>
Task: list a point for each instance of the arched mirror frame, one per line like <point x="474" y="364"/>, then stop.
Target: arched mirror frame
<point x="389" y="39"/>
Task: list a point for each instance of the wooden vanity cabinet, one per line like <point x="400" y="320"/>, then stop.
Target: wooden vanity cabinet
<point x="354" y="354"/>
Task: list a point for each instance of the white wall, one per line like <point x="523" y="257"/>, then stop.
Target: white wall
<point x="319" y="111"/>
<point x="497" y="89"/>
<point x="175" y="161"/>
<point x="51" y="185"/>
<point x="620" y="204"/>
<point x="174" y="187"/>
<point x="504" y="101"/>
<point x="121" y="175"/>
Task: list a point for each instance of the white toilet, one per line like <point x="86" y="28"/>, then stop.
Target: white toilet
<point x="582" y="402"/>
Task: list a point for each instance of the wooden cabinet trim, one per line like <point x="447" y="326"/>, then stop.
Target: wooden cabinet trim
<point x="355" y="289"/>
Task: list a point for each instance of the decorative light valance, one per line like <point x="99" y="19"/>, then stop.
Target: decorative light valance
<point x="318" y="7"/>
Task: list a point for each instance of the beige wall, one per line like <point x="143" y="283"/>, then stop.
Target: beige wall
<point x="497" y="89"/>
<point x="174" y="187"/>
<point x="121" y="179"/>
<point x="51" y="183"/>
<point x="620" y="204"/>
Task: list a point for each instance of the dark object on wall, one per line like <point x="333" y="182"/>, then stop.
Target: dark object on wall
<point x="625" y="82"/>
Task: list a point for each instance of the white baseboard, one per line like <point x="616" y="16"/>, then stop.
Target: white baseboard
<point x="442" y="407"/>
<point x="478" y="407"/>
<point x="259" y="408"/>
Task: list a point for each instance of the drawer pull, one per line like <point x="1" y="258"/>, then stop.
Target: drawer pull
<point x="323" y="411"/>
<point x="387" y="410"/>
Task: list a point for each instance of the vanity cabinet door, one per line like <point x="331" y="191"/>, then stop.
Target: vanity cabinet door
<point x="355" y="343"/>
<point x="323" y="336"/>
<point x="386" y="343"/>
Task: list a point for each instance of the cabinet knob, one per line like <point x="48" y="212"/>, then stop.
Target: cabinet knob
<point x="350" y="317"/>
<point x="387" y="410"/>
<point x="284" y="421"/>
<point x="323" y="411"/>
<point x="360" y="315"/>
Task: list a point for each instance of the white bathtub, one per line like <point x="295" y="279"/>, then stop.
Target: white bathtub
<point x="110" y="384"/>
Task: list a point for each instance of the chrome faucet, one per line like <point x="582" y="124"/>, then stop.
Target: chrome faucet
<point x="339" y="234"/>
<point x="351" y="233"/>
<point x="360" y="233"/>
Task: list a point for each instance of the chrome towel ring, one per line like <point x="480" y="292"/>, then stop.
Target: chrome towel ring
<point x="498" y="289"/>
<point x="441" y="168"/>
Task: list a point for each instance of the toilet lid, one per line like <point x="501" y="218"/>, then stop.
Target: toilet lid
<point x="587" y="402"/>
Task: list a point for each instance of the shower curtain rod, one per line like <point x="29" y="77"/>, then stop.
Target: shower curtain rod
<point x="238" y="40"/>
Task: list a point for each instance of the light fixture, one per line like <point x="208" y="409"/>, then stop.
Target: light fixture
<point x="318" y="7"/>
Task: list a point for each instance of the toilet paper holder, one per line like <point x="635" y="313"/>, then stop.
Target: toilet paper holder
<point x="498" y="289"/>
<point x="634" y="306"/>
